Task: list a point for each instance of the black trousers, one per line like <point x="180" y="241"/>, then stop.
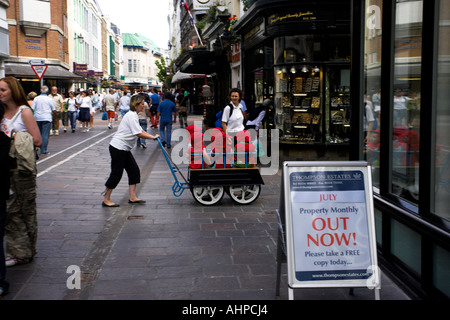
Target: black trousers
<point x="122" y="160"/>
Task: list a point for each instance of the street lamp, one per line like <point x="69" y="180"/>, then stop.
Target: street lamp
<point x="79" y="37"/>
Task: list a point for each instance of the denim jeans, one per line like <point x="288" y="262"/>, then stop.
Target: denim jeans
<point x="165" y="131"/>
<point x="44" y="128"/>
<point x="73" y="119"/>
<point x="143" y="123"/>
<point x="123" y="112"/>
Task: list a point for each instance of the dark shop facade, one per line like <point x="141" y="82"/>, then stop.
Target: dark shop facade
<point x="366" y="80"/>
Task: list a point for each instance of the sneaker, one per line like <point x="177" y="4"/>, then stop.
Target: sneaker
<point x="56" y="133"/>
<point x="51" y="132"/>
<point x="11" y="262"/>
<point x="87" y="130"/>
<point x="144" y="146"/>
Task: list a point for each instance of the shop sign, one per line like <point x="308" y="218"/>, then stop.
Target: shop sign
<point x="202" y="4"/>
<point x="81" y="69"/>
<point x="236" y="53"/>
<point x="330" y="228"/>
<point x="33" y="44"/>
<point x="308" y="16"/>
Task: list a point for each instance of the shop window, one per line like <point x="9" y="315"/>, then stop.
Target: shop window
<point x="294" y="49"/>
<point x="442" y="120"/>
<point x="372" y="85"/>
<point x="298" y="101"/>
<point x="312" y="84"/>
<point x="406" y="104"/>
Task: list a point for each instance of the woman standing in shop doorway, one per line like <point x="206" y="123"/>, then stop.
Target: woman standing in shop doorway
<point x="121" y="157"/>
<point x="233" y="115"/>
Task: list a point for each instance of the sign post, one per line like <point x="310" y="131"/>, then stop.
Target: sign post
<point x="330" y="228"/>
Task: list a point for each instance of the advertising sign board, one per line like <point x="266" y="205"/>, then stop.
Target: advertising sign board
<point x="330" y="229"/>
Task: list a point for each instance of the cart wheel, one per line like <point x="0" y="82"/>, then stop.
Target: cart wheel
<point x="244" y="194"/>
<point x="208" y="196"/>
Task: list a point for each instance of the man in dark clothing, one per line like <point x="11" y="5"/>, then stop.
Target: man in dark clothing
<point x="5" y="143"/>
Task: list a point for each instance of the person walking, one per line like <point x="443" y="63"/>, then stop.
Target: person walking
<point x="5" y="163"/>
<point x="21" y="220"/>
<point x="124" y="103"/>
<point x="94" y="101"/>
<point x="85" y="103"/>
<point x="72" y="110"/>
<point x="143" y="123"/>
<point x="182" y="100"/>
<point x="58" y="100"/>
<point x="31" y="97"/>
<point x="44" y="110"/>
<point x="121" y="157"/>
<point x="110" y="107"/>
<point x="155" y="100"/>
<point x="164" y="115"/>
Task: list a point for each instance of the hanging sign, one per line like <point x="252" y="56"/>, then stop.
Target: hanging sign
<point x="330" y="230"/>
<point x="39" y="70"/>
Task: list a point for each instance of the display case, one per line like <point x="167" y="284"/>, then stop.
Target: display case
<point x="312" y="104"/>
<point x="338" y="82"/>
<point x="298" y="101"/>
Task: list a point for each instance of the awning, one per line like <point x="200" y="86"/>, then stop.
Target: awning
<point x="198" y="62"/>
<point x="20" y="70"/>
<point x="180" y="76"/>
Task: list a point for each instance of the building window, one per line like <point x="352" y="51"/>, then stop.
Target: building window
<point x="442" y="121"/>
<point x="130" y="65"/>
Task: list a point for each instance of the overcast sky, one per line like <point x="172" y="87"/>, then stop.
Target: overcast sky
<point x="147" y="17"/>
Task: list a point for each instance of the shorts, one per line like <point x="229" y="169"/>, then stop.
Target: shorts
<point x="111" y="114"/>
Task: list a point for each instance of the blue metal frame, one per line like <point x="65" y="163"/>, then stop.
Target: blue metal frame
<point x="178" y="187"/>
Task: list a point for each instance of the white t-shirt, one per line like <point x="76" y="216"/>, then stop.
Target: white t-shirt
<point x="235" y="123"/>
<point x="16" y="124"/>
<point x="126" y="135"/>
<point x="72" y="104"/>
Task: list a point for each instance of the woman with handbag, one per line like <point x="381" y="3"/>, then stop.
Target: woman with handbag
<point x="21" y="220"/>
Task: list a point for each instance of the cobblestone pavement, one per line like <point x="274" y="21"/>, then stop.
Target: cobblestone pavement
<point x="169" y="248"/>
